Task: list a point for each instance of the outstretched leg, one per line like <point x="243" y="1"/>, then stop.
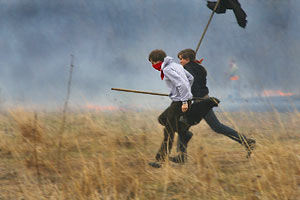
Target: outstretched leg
<point x="220" y="128"/>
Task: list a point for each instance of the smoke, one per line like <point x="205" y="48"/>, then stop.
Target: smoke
<point x="111" y="41"/>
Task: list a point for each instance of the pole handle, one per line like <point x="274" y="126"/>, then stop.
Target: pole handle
<point x="140" y="92"/>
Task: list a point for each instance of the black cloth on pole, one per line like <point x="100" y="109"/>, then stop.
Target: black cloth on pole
<point x="234" y="5"/>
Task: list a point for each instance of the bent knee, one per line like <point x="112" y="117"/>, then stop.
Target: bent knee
<point x="162" y="121"/>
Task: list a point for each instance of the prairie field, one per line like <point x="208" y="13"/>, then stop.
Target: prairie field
<point x="105" y="155"/>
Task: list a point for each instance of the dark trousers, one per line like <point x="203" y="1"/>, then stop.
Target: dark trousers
<point x="212" y="120"/>
<point x="170" y="120"/>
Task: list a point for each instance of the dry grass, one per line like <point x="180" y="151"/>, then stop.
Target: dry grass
<point x="106" y="155"/>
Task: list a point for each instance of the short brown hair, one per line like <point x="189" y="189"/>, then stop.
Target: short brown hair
<point x="157" y="55"/>
<point x="187" y="54"/>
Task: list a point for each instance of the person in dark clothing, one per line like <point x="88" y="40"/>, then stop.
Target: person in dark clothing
<point x="234" y="5"/>
<point x="179" y="81"/>
<point x="199" y="89"/>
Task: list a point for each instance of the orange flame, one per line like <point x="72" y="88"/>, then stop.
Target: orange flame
<point x="269" y="93"/>
<point x="234" y="78"/>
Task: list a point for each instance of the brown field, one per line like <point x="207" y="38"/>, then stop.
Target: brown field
<point x="105" y="155"/>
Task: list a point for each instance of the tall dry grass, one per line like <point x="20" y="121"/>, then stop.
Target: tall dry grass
<point x="106" y="155"/>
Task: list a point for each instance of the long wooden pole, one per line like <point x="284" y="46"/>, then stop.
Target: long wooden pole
<point x="206" y="27"/>
<point x="137" y="91"/>
<point x="150" y="93"/>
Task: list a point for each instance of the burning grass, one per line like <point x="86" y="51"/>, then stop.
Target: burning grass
<point x="105" y="155"/>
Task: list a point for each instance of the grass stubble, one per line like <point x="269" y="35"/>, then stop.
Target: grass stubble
<point x="105" y="155"/>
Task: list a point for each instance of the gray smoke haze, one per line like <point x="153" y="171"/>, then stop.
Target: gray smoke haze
<point x="111" y="41"/>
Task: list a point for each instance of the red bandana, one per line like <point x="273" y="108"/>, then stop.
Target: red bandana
<point x="199" y="61"/>
<point x="157" y="66"/>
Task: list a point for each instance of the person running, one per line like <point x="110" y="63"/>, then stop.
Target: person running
<point x="179" y="81"/>
<point x="199" y="88"/>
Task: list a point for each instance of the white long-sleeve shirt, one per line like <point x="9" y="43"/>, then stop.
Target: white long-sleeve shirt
<point x="178" y="80"/>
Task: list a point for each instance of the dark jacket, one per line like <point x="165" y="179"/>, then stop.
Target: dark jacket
<point x="199" y="109"/>
<point x="199" y="88"/>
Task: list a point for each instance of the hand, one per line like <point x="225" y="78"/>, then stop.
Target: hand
<point x="184" y="107"/>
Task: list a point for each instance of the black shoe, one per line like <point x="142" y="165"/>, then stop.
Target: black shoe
<point x="249" y="145"/>
<point x="179" y="159"/>
<point x="155" y="164"/>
